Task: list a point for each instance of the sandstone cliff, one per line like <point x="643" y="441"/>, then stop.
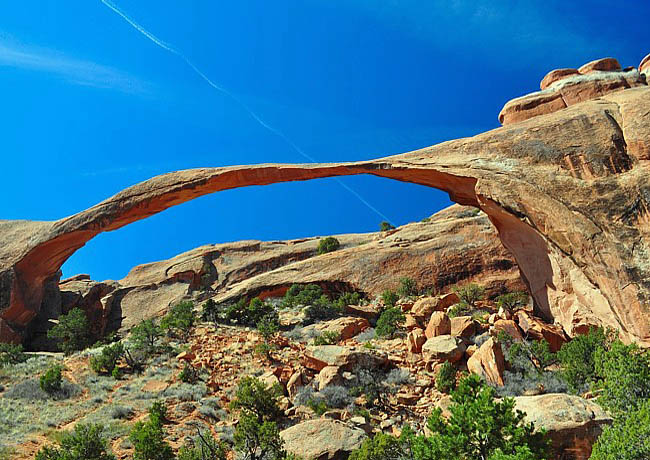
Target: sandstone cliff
<point x="566" y="187"/>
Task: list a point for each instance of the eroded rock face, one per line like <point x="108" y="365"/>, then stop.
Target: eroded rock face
<point x="568" y="192"/>
<point x="562" y="88"/>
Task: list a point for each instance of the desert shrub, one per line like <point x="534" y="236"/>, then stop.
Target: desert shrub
<point x="470" y="293"/>
<point x="206" y="447"/>
<point x="252" y="396"/>
<point x="446" y="377"/>
<point x="268" y="325"/>
<point x="179" y="320"/>
<point x="51" y="380"/>
<point x="389" y="297"/>
<point x="577" y="358"/>
<point x="327" y="338"/>
<point x="512" y="300"/>
<point x="335" y="396"/>
<point x="263" y="350"/>
<point x="385" y="226"/>
<point x="624" y="372"/>
<point x="366" y="335"/>
<point x="301" y="295"/>
<point x="85" y="442"/>
<point x="328" y="244"/>
<point x="348" y="298"/>
<point x="322" y="309"/>
<point x="459" y="309"/>
<point x="72" y="333"/>
<point x="135" y="359"/>
<point x="106" y="362"/>
<point x="146" y="335"/>
<point x="407" y="287"/>
<point x="121" y="412"/>
<point x="30" y="390"/>
<point x="11" y="354"/>
<point x="389" y="320"/>
<point x="148" y="437"/>
<point x="382" y="447"/>
<point x="189" y="374"/>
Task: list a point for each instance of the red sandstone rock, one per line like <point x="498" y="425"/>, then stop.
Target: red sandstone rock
<point x="415" y="339"/>
<point x="549" y="185"/>
<point x="537" y="330"/>
<point x="509" y="327"/>
<point x="600" y="64"/>
<point x="439" y="324"/>
<point x="463" y="327"/>
<point x="556" y="75"/>
<point x="488" y="362"/>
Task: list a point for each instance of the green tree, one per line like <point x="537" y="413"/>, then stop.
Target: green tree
<point x="52" y="380"/>
<point x="85" y="442"/>
<point x="388" y="322"/>
<point x="205" y="448"/>
<point x="389" y="297"/>
<point x="407" y="287"/>
<point x="624" y="372"/>
<point x="479" y="426"/>
<point x="627" y="439"/>
<point x="254" y="397"/>
<point x="470" y="293"/>
<point x="328" y="244"/>
<point x="180" y="319"/>
<point x="146" y="335"/>
<point x="72" y="333"/>
<point x="257" y="436"/>
<point x="268" y="325"/>
<point x="512" y="300"/>
<point x="148" y="437"/>
<point x="381" y="447"/>
<point x="257" y="440"/>
<point x="11" y="353"/>
<point x="577" y="358"/>
<point x="385" y="226"/>
<point x="446" y="377"/>
<point x="106" y="362"/>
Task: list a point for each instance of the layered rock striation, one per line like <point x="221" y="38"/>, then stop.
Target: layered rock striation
<point x="568" y="191"/>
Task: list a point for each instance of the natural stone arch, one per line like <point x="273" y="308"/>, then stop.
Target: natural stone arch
<point x="568" y="193"/>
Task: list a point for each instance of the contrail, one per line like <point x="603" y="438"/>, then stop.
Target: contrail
<point x="166" y="46"/>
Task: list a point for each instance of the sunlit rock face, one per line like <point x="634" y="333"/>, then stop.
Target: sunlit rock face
<point x="567" y="190"/>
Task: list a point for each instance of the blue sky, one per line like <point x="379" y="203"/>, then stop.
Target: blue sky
<point x="91" y="105"/>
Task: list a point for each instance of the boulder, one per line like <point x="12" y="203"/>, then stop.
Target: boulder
<point x="463" y="327"/>
<point x="296" y="381"/>
<point x="538" y="330"/>
<point x="329" y="375"/>
<point x="439" y="324"/>
<point x="509" y="327"/>
<point x="347" y="358"/>
<point x="488" y="362"/>
<point x="573" y="423"/>
<point x="415" y="339"/>
<point x="423" y="308"/>
<point x="322" y="439"/>
<point x="346" y="327"/>
<point x="556" y="75"/>
<point x="607" y="63"/>
<point x="443" y="348"/>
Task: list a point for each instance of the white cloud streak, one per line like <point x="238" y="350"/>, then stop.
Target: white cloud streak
<point x="73" y="70"/>
<point x="168" y="47"/>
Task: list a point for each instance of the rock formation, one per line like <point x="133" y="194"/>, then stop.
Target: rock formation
<point x="567" y="189"/>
